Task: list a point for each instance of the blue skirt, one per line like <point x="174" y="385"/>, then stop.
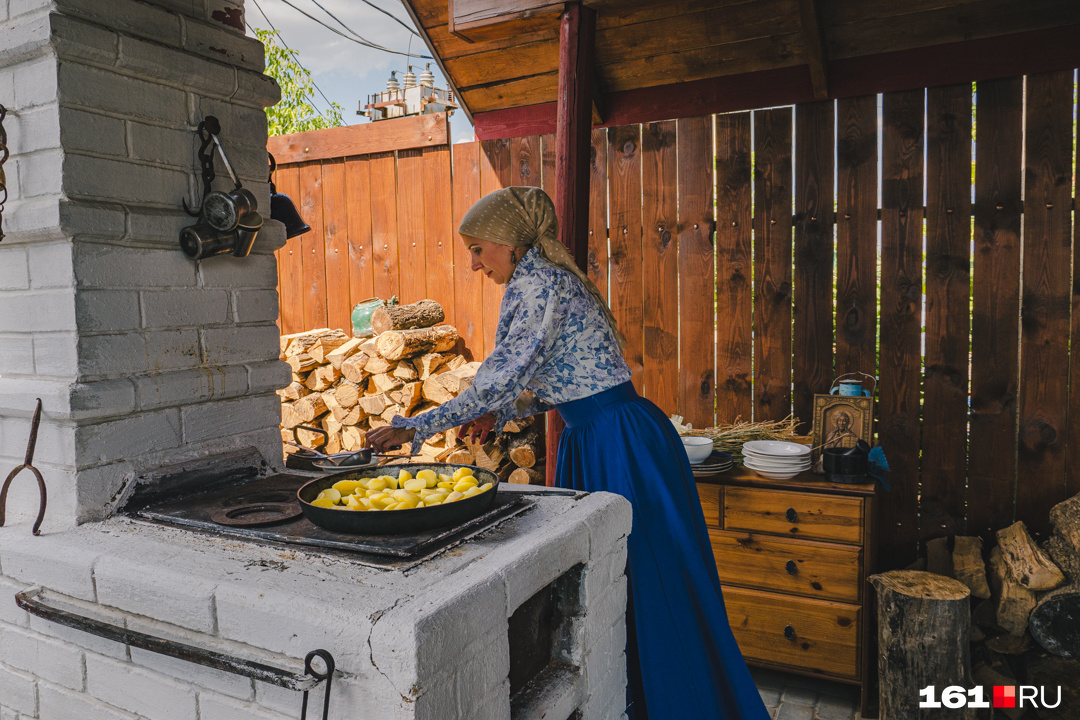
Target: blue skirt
<point x="681" y="658"/>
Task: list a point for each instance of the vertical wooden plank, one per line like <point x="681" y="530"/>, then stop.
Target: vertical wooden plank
<point x="624" y="191"/>
<point x="1072" y="460"/>
<point x="384" y="224"/>
<point x="547" y="164"/>
<point x="313" y="257"/>
<point x="336" y="222"/>
<point x="995" y="306"/>
<point x="856" y="235"/>
<point x="697" y="288"/>
<point x="1046" y="295"/>
<point x="358" y="206"/>
<point x="598" y="212"/>
<point x="772" y="264"/>
<point x="290" y="266"/>
<point x="526" y="161"/>
<point x="812" y="332"/>
<point x="495" y="173"/>
<point x="468" y="285"/>
<point x="734" y="342"/>
<point x="412" y="247"/>
<point x="948" y="262"/>
<point x="901" y="322"/>
<point x="439" y="237"/>
<point x="660" y="264"/>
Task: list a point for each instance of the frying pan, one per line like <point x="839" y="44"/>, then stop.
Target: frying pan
<point x="396" y="522"/>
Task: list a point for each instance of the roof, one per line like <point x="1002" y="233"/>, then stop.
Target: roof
<point x="502" y="56"/>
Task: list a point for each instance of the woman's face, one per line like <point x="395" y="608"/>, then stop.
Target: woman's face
<point x="494" y="260"/>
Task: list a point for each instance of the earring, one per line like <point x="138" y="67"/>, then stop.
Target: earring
<point x="513" y="257"/>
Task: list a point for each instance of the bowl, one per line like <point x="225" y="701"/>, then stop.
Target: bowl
<point x="697" y="448"/>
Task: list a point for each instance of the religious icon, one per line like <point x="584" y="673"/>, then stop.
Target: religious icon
<point x="841" y="421"/>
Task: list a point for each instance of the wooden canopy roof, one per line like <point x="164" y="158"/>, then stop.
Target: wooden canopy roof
<point x="659" y="59"/>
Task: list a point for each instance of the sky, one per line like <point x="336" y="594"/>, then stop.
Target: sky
<point x="345" y="71"/>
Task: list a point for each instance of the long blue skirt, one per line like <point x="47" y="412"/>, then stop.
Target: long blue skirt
<point x="682" y="660"/>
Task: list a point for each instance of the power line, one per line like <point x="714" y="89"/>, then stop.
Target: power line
<point x="361" y="41"/>
<point x="373" y="5"/>
<point x="295" y="55"/>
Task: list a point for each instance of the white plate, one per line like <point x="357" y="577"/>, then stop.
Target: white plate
<point x="786" y="459"/>
<point x="786" y="475"/>
<point x="776" y="447"/>
<point x="775" y="468"/>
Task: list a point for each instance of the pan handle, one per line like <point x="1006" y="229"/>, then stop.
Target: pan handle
<point x="326" y="436"/>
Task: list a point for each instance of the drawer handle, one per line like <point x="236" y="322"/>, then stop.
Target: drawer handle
<point x="792" y="516"/>
<point x="791" y="567"/>
<point x="789" y="632"/>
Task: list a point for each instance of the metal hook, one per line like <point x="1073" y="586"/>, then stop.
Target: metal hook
<point x="28" y="464"/>
<point x="328" y="676"/>
<point x="3" y="158"/>
<point x="207" y="131"/>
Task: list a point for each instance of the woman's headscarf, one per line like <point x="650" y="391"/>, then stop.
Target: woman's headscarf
<point x="525" y="217"/>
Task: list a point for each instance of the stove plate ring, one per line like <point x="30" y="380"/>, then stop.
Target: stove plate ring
<point x="257" y="514"/>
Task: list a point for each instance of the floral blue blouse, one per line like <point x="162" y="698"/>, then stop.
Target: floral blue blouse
<point x="552" y="339"/>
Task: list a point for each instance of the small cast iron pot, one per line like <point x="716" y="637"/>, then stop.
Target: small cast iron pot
<point x="396" y="522"/>
<point x="845" y="465"/>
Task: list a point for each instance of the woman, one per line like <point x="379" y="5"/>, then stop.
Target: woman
<point x="556" y="337"/>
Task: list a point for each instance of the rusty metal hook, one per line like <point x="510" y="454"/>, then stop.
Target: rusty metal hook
<point x="28" y="464"/>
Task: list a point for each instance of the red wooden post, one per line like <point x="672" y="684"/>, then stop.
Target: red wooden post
<point x="572" y="144"/>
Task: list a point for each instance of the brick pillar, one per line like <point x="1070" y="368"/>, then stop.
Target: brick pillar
<point x="141" y="356"/>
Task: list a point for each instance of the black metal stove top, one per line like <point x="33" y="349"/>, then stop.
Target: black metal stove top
<point x="198" y="511"/>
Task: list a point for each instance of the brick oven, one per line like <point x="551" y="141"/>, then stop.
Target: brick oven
<point x="151" y="366"/>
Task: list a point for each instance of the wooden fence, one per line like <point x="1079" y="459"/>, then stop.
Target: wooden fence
<point x="734" y="305"/>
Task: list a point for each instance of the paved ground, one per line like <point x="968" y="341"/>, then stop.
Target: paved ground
<point x="793" y="697"/>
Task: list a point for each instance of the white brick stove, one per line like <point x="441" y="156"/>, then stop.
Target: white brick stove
<point x="145" y="359"/>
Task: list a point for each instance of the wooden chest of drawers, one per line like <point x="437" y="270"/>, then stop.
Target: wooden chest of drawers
<point x="793" y="558"/>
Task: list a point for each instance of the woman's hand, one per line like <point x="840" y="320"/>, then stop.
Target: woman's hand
<point x="389" y="438"/>
<point x="478" y="429"/>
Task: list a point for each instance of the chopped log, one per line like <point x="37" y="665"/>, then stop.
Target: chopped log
<point x="322" y="378"/>
<point x="938" y="559"/>
<point x="1010" y="644"/>
<point x="391" y="412"/>
<point x="525" y="448"/>
<point x="309" y="407"/>
<point x="452" y="436"/>
<point x="408" y="396"/>
<point x="1065" y="521"/>
<point x="289" y="417"/>
<point x="298" y="377"/>
<point x="301" y="363"/>
<point x="400" y="344"/>
<point x="300" y="342"/>
<point x="353" y="416"/>
<point x="327" y="344"/>
<point x="368" y="347"/>
<point x="353" y="367"/>
<point x="374" y="404"/>
<point x="459" y="379"/>
<point x="1055" y="621"/>
<point x="405" y="371"/>
<point x="461" y="456"/>
<point x="421" y="314"/>
<point x="330" y="424"/>
<point x="376" y="365"/>
<point x="923" y="620"/>
<point x="505" y="470"/>
<point x="344" y="351"/>
<point x="1063" y="555"/>
<point x="347" y="393"/>
<point x="310" y="439"/>
<point x="488" y="455"/>
<point x="455" y="361"/>
<point x="336" y="411"/>
<point x="518" y="424"/>
<point x="526" y="476"/>
<point x="1012" y="600"/>
<point x="435" y="391"/>
<point x="385" y="383"/>
<point x="969" y="566"/>
<point x="426" y="364"/>
<point x="377" y="422"/>
<point x="985" y="615"/>
<point x="1028" y="564"/>
<point x="293" y="391"/>
<point x="284" y="340"/>
<point x="352" y="438"/>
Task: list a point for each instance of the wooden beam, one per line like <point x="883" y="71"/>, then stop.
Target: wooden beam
<point x="984" y="59"/>
<point x="573" y="141"/>
<point x="405" y="133"/>
<point x="814" y="48"/>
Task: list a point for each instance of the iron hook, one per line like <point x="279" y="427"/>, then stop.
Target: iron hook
<point x="28" y="464"/>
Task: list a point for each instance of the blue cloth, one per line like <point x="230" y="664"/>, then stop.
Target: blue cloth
<point x="552" y="339"/>
<point x="682" y="660"/>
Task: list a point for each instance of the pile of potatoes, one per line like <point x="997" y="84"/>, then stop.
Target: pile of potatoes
<point x="403" y="492"/>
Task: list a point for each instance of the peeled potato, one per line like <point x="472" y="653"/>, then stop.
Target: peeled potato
<point x="416" y="484"/>
<point x="444" y="478"/>
<point x="377" y="484"/>
<point x="323" y="502"/>
<point x="448" y="485"/>
<point x="331" y="494"/>
<point x="485" y="487"/>
<point x="464" y="485"/>
<point x="403" y="476"/>
<point x="462" y="472"/>
<point x="348" y="487"/>
<point x="453" y="497"/>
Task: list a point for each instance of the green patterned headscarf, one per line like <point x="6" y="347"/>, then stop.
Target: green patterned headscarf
<point x="525" y="217"/>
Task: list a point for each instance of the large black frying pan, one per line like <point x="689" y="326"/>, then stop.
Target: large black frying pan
<point x="396" y="522"/>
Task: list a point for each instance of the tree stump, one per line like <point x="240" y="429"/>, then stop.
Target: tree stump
<point x="923" y="624"/>
<point x="1055" y="622"/>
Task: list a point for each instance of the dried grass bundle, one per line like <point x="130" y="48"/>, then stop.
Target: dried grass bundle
<point x="730" y="438"/>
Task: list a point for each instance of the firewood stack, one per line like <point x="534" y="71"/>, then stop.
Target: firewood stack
<point x="1025" y="619"/>
<point x="346" y="386"/>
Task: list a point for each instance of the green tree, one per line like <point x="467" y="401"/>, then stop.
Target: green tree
<point x="296" y="112"/>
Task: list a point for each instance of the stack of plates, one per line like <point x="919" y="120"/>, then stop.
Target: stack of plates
<point x="718" y="462"/>
<point x="775" y="459"/>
